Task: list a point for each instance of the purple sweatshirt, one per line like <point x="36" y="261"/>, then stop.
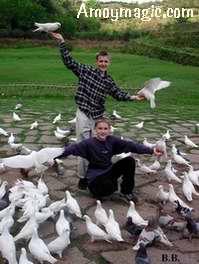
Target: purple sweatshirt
<point x="99" y="153"/>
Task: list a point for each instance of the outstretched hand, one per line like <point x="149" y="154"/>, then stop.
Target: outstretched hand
<point x="157" y="152"/>
<point x="57" y="36"/>
<point x="137" y="97"/>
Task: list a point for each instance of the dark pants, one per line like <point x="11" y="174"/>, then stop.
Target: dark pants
<point x="107" y="184"/>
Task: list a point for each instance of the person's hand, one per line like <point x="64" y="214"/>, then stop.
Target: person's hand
<point x="137" y="97"/>
<point x="57" y="36"/>
<point x="157" y="152"/>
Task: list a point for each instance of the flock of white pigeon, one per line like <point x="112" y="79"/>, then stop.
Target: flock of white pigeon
<point x="33" y="200"/>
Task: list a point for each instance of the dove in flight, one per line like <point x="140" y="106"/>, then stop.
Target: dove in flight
<point x="57" y="118"/>
<point x="47" y="27"/>
<point x="151" y="87"/>
<point x="3" y="132"/>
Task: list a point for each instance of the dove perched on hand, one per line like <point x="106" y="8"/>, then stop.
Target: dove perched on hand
<point x="151" y="87"/>
<point x="47" y="27"/>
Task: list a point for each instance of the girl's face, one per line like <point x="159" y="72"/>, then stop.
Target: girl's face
<point x="102" y="131"/>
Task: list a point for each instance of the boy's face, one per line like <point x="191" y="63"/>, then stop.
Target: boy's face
<point x="102" y="130"/>
<point x="103" y="62"/>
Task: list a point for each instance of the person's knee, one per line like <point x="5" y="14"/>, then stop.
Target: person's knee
<point x="129" y="160"/>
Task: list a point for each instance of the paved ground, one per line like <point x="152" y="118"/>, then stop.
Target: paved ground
<point x="81" y="249"/>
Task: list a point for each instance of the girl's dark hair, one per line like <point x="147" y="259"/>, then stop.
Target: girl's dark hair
<point x="102" y="120"/>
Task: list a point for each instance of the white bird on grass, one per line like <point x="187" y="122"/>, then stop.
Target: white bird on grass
<point x="140" y="125"/>
<point x="189" y="142"/>
<point x="151" y="87"/>
<point x="3" y="132"/>
<point x="72" y="205"/>
<point x="188" y="188"/>
<point x="47" y="27"/>
<point x="18" y="106"/>
<point x="63" y="131"/>
<point x="16" y="117"/>
<point x="170" y="174"/>
<point x="58" y="245"/>
<point x="100" y="214"/>
<point x="34" y="125"/>
<point x="112" y="228"/>
<point x="39" y="250"/>
<point x="23" y="257"/>
<point x="57" y="118"/>
<point x="59" y="135"/>
<point x="116" y="115"/>
<point x="94" y="231"/>
<point x="135" y="216"/>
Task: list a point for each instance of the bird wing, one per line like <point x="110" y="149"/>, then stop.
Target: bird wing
<point x="47" y="154"/>
<point x="19" y="161"/>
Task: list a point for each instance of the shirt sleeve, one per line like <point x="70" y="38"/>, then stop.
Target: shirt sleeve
<point x="76" y="67"/>
<point x="117" y="93"/>
<point x="125" y="146"/>
<point x="76" y="149"/>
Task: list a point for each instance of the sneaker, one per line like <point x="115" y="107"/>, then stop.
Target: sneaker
<point x="129" y="197"/>
<point x="83" y="184"/>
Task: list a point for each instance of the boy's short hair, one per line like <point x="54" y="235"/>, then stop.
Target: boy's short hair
<point x="103" y="120"/>
<point x="102" y="53"/>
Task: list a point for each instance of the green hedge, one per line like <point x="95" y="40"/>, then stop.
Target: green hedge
<point x="154" y="51"/>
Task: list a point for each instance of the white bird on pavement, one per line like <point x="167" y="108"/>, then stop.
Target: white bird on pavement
<point x="23" y="257"/>
<point x="140" y="125"/>
<point x="11" y="138"/>
<point x="57" y="118"/>
<point x="189" y="142"/>
<point x="162" y="195"/>
<point x="47" y="27"/>
<point x="148" y="144"/>
<point x="3" y="189"/>
<point x="193" y="175"/>
<point x="151" y="87"/>
<point x="155" y="166"/>
<point x="27" y="229"/>
<point x="18" y="106"/>
<point x="100" y="214"/>
<point x="63" y="131"/>
<point x="179" y="159"/>
<point x="170" y="174"/>
<point x="72" y="121"/>
<point x="112" y="228"/>
<point x="135" y="216"/>
<point x="167" y="135"/>
<point x="16" y="117"/>
<point x="143" y="168"/>
<point x="72" y="205"/>
<point x="42" y="187"/>
<point x="3" y="132"/>
<point x="58" y="245"/>
<point x="173" y="197"/>
<point x="39" y="250"/>
<point x="188" y="188"/>
<point x="94" y="231"/>
<point x="7" y="246"/>
<point x="62" y="224"/>
<point x="34" y="125"/>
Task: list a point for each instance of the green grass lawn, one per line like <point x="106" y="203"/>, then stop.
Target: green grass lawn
<point x="43" y="65"/>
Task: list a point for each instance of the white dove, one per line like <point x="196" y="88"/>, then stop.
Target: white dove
<point x="144" y="168"/>
<point x="7" y="246"/>
<point x="11" y="138"/>
<point x="140" y="125"/>
<point x="47" y="27"/>
<point x="16" y="117"/>
<point x="188" y="188"/>
<point x="170" y="174"/>
<point x="39" y="249"/>
<point x="57" y="118"/>
<point x="161" y="145"/>
<point x="72" y="205"/>
<point x="72" y="121"/>
<point x="100" y="214"/>
<point x="60" y="243"/>
<point x="174" y="197"/>
<point x="167" y="135"/>
<point x="136" y="218"/>
<point x="193" y="175"/>
<point x="162" y="195"/>
<point x="94" y="231"/>
<point x="155" y="166"/>
<point x="151" y="87"/>
<point x="63" y="131"/>
<point x="34" y="125"/>
<point x="189" y="142"/>
<point x="176" y="151"/>
<point x="18" y="106"/>
<point x="3" y="132"/>
<point x="59" y="135"/>
<point x="23" y="257"/>
<point x="27" y="230"/>
<point x="7" y="220"/>
<point x="62" y="224"/>
<point x="116" y="115"/>
<point x="112" y="228"/>
<point x="3" y="189"/>
<point x="179" y="159"/>
<point x="42" y="187"/>
<point x="148" y="144"/>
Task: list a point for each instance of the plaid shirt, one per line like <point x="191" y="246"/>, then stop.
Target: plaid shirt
<point x="93" y="86"/>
